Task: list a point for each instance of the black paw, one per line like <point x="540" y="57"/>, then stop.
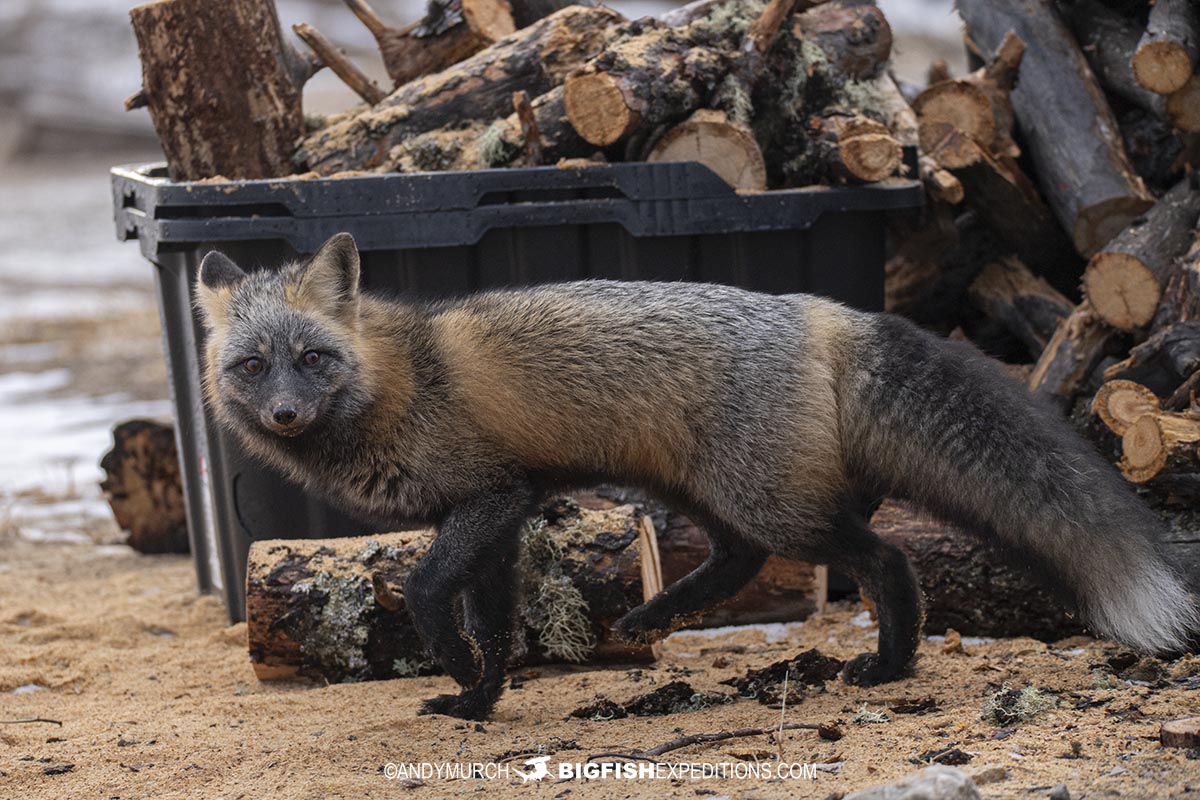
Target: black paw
<point x="868" y="670"/>
<point x="637" y="627"/>
<point x="471" y="704"/>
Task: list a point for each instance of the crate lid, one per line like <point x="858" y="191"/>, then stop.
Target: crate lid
<point x="443" y="209"/>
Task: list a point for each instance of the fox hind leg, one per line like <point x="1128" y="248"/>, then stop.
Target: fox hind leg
<point x="731" y="564"/>
<point x="885" y="574"/>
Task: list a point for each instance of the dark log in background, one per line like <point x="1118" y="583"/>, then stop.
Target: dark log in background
<point x="969" y="587"/>
<point x="143" y="486"/>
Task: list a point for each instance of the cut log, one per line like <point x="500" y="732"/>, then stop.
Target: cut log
<point x="725" y="147"/>
<point x="1180" y="733"/>
<point x="1026" y="305"/>
<point x="1072" y="355"/>
<point x="652" y="77"/>
<point x="1183" y="106"/>
<point x="535" y="60"/>
<point x="1167" y="53"/>
<point x="1181" y="299"/>
<point x="223" y="87"/>
<point x="1157" y="151"/>
<point x="968" y="586"/>
<point x="334" y="608"/>
<point x="1164" y="361"/>
<point x="501" y="144"/>
<point x="1108" y="41"/>
<point x="341" y="66"/>
<point x="1153" y="442"/>
<point x="856" y="148"/>
<point x="855" y="37"/>
<point x="143" y="487"/>
<point x="783" y="590"/>
<point x="1125" y="280"/>
<point x="977" y="105"/>
<point x="941" y="184"/>
<point x="898" y="113"/>
<point x="1159" y="443"/>
<point x="1120" y="403"/>
<point x="1069" y="131"/>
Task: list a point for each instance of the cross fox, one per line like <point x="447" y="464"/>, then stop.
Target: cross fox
<point x="776" y="422"/>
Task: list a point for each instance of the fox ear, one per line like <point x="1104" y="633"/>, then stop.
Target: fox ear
<point x="218" y="274"/>
<point x="331" y="279"/>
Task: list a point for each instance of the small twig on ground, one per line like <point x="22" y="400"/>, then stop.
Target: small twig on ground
<point x="31" y="721"/>
<point x="782" y="710"/>
<point x="706" y="738"/>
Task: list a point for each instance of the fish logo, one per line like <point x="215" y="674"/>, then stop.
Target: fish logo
<point x="539" y="769"/>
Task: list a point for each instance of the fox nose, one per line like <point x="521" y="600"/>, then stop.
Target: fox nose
<point x="285" y="415"/>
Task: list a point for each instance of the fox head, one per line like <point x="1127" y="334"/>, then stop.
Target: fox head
<point x="281" y="356"/>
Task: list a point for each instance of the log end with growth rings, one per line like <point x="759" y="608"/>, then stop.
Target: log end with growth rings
<point x="1122" y="289"/>
<point x="599" y="108"/>
<point x="1121" y="403"/>
<point x="1162" y="66"/>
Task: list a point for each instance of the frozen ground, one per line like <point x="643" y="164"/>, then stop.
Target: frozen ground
<point x="79" y="346"/>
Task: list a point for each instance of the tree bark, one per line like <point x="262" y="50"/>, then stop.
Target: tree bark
<point x="725" y="147"/>
<point x="1125" y="280"/>
<point x="968" y="586"/>
<point x="1069" y="131"/>
<point x="223" y="87"/>
<point x="1072" y="354"/>
<point x="1109" y="40"/>
<point x="1164" y="361"/>
<point x="1167" y="53"/>
<point x="1027" y="306"/>
<point x="535" y="60"/>
<point x="854" y="37"/>
<point x="143" y="487"/>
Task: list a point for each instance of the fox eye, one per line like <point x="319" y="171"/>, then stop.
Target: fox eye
<point x="253" y="365"/>
<point x="311" y="358"/>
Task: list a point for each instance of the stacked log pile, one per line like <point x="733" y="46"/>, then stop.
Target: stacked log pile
<point x="768" y="94"/>
<point x="1062" y="227"/>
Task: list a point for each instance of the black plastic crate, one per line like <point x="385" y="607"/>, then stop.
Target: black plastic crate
<point x="439" y="234"/>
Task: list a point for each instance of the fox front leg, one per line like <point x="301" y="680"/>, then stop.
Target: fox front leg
<point x="474" y="552"/>
<point x="731" y="564"/>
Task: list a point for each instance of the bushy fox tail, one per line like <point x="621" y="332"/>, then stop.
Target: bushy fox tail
<point x="933" y="422"/>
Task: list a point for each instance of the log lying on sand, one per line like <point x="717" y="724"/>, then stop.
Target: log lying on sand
<point x="1070" y="133"/>
<point x="534" y="60"/>
<point x="968" y="586"/>
<point x="1167" y="53"/>
<point x="1026" y="305"/>
<point x="727" y="148"/>
<point x="222" y="85"/>
<point x="334" y="608"/>
<point x="143" y="487"/>
<point x="1125" y="280"/>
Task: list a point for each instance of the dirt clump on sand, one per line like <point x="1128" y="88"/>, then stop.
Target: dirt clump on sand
<point x="157" y="700"/>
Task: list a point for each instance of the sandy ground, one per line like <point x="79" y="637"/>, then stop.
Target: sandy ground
<point x="157" y="699"/>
